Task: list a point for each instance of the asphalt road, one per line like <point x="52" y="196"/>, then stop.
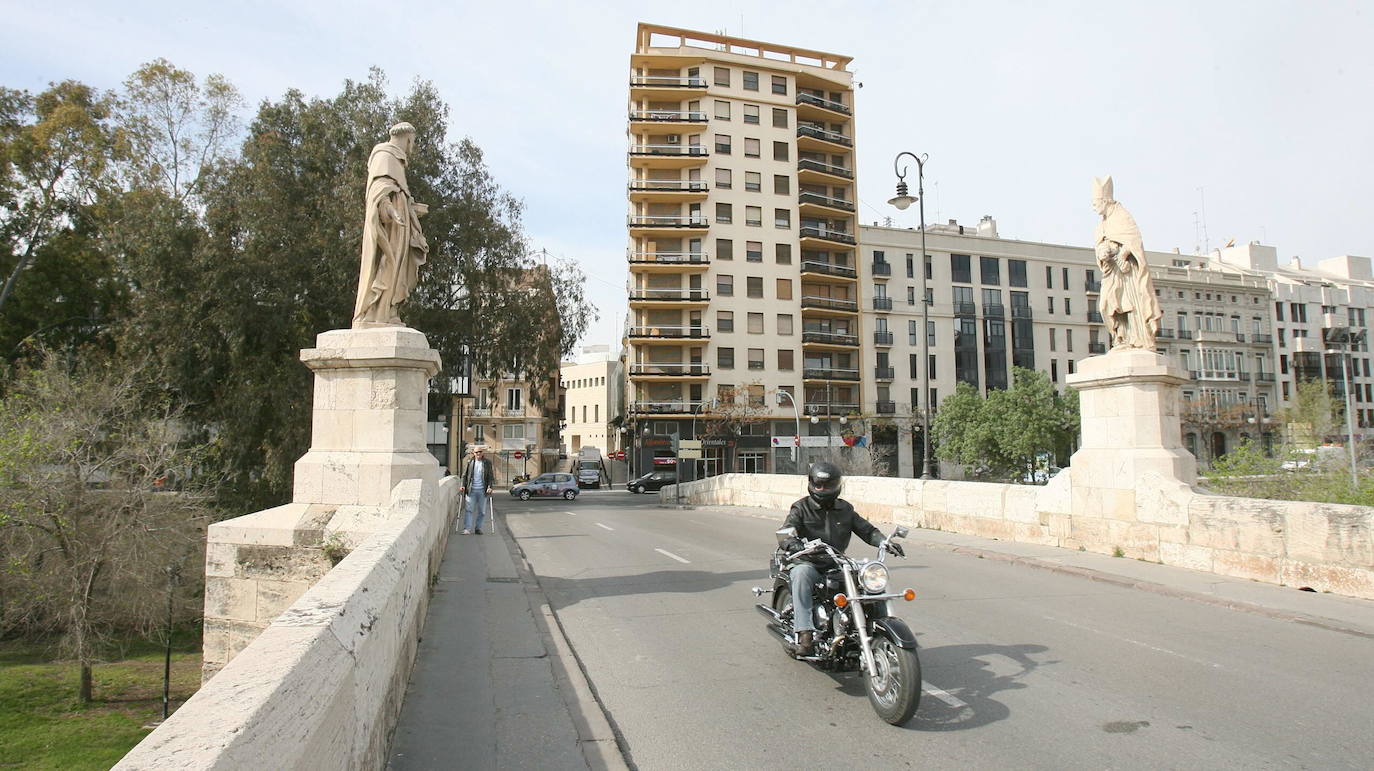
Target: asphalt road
<point x="1022" y="667"/>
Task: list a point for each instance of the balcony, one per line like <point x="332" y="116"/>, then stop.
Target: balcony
<point x="479" y="412"/>
<point x="808" y="168"/>
<point x="825" y="234"/>
<point x="828" y="269"/>
<point x="885" y="408"/>
<point x="1214" y="336"/>
<point x="1165" y="334"/>
<point x="667" y="156"/>
<point x="825" y="109"/>
<point x="882" y="269"/>
<point x="667" y="297"/>
<point x="648" y="224"/>
<point x="831" y="408"/>
<point x="1094" y="317"/>
<point x="809" y="201"/>
<point x="664" y="86"/>
<point x="678" y="407"/>
<point x="667" y="190"/>
<point x="831" y="338"/>
<point x="666" y="119"/>
<point x="884" y="373"/>
<point x="669" y="333"/>
<point x="964" y="309"/>
<point x="814" y="137"/>
<point x="830" y="373"/>
<point x="1094" y="286"/>
<point x="668" y="262"/>
<point x="994" y="311"/>
<point x="1261" y="337"/>
<point x="882" y="303"/>
<point x="1185" y="334"/>
<point x="1264" y="377"/>
<point x="1021" y="312"/>
<point x="809" y="302"/>
<point x="670" y="370"/>
<point x="1240" y="337"/>
<point x="882" y="338"/>
<point x="1097" y="347"/>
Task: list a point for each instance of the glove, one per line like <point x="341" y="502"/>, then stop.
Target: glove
<point x="792" y="545"/>
<point x="896" y="548"/>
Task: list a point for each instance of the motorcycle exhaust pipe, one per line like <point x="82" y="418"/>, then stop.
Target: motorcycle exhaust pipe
<point x="768" y="612"/>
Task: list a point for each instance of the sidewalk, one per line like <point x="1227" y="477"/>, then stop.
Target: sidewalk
<point x="494" y="684"/>
<point x="1288" y="603"/>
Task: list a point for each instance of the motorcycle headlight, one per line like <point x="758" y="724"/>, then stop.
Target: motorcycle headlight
<point x="873" y="577"/>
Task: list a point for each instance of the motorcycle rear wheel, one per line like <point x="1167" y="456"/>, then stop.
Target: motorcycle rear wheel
<point x="895" y="691"/>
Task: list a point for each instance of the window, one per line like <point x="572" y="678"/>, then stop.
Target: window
<point x="782" y="219"/>
<point x="723" y="178"/>
<point x="782" y="184"/>
<point x="785" y="359"/>
<point x="725" y="285"/>
<point x="722" y="110"/>
<point x="910" y="266"/>
<point x="1053" y="340"/>
<point x="751" y="113"/>
<point x="755" y="323"/>
<point x="780" y="151"/>
<point x="513" y="398"/>
<point x="1051" y="302"/>
<point x="723" y="76"/>
<point x="723" y="144"/>
<point x="1278" y="311"/>
<point x="751" y="81"/>
<point x="959" y="269"/>
<point x="913" y="364"/>
<point x="755" y="360"/>
<point x="1068" y="309"/>
<point x="725" y="214"/>
<point x="753" y="216"/>
<point x="779" y="117"/>
<point x="725" y="249"/>
<point x="1068" y="340"/>
<point x="990" y="270"/>
<point x="784" y="323"/>
<point x="754" y="286"/>
<point x="480" y="435"/>
<point x="1066" y="286"/>
<point x="782" y="254"/>
<point x="911" y="332"/>
<point x="753" y="251"/>
<point x="1016" y="272"/>
<point x="725" y="321"/>
<point x="753" y="181"/>
<point x="779" y="84"/>
<point x="784" y="289"/>
<point x="930" y="269"/>
<point x="911" y="295"/>
<point x="514" y="431"/>
<point x="879" y="258"/>
<point x="725" y="358"/>
<point x="1049" y="278"/>
<point x="751" y="147"/>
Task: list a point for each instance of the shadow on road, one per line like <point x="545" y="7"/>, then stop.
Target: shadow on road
<point x="565" y="592"/>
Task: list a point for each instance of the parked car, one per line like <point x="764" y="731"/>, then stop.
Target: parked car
<point x="552" y="485"/>
<point x="652" y="481"/>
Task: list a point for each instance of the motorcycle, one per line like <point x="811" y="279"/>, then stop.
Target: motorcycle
<point x="854" y="626"/>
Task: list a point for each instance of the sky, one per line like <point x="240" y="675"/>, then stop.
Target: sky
<point x="1245" y="120"/>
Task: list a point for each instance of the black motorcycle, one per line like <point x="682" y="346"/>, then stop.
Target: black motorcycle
<point x="854" y="628"/>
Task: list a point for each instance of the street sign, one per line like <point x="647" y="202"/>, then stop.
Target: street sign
<point x="618" y="455"/>
<point x="519" y="455"/>
<point x="689" y="444"/>
<point x="689" y="454"/>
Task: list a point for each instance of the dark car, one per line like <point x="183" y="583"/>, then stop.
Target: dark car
<point x="547" y="486"/>
<point x="652" y="481"/>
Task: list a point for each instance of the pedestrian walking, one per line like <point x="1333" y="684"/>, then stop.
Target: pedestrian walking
<point x="477" y="481"/>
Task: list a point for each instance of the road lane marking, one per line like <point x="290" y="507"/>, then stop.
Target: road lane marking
<point x="1155" y="648"/>
<point x="571" y="513"/>
<point x="944" y="696"/>
<point x="608" y="527"/>
<point x="674" y="556"/>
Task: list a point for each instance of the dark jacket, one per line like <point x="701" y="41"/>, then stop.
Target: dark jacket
<point x="467" y="474"/>
<point x="834" y="526"/>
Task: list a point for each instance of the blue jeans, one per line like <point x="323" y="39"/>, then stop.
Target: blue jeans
<point x="476" y="504"/>
<point x="803" y="576"/>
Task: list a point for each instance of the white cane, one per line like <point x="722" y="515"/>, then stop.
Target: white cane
<point x="491" y="514"/>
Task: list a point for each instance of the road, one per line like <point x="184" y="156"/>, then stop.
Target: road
<point x="1022" y="667"/>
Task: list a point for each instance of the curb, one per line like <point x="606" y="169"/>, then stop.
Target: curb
<point x="1321" y="622"/>
<point x="602" y="744"/>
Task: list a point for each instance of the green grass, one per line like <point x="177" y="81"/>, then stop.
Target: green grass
<point x="43" y="726"/>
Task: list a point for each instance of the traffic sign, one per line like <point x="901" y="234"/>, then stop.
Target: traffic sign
<point x="519" y="455"/>
<point x="689" y="444"/>
<point x="618" y="455"/>
<point x="689" y="454"/>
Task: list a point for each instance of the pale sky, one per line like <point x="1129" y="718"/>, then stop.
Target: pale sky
<point x="1262" y="107"/>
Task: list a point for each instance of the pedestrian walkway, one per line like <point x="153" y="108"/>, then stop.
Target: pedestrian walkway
<point x="492" y="687"/>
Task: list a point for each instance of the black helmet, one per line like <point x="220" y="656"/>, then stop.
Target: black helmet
<point x="823" y="483"/>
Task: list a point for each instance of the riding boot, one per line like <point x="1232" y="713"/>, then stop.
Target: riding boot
<point x="806" y="643"/>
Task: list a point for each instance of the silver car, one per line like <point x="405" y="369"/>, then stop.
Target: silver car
<point x="552" y="485"/>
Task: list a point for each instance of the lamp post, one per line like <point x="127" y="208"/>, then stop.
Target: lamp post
<point x="1350" y="338"/>
<point x="796" y="413"/>
<point x="902" y="201"/>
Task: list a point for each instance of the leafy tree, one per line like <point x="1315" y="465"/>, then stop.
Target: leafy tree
<point x="97" y="494"/>
<point x="1313" y="415"/>
<point x="1008" y="434"/>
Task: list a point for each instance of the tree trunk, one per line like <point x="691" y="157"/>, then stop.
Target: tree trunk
<point x="85" y="694"/>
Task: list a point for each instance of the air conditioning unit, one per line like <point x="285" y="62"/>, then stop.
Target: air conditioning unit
<point x="674" y="139"/>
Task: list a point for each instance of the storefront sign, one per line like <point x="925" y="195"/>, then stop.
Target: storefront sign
<point x="810" y="441"/>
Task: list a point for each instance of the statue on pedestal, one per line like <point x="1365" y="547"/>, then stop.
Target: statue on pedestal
<point x="1127" y="303"/>
<point x="394" y="246"/>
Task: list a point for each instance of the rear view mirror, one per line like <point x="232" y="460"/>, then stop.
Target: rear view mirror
<point x="901" y="532"/>
<point x="786" y="534"/>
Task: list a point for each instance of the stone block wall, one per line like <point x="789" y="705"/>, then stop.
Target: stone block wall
<point x="1327" y="547"/>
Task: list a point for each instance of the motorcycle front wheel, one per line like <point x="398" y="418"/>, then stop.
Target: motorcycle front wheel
<point x="894" y="689"/>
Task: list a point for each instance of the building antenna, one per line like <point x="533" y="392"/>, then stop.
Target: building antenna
<point x="1197" y="233"/>
<point x="1202" y="197"/>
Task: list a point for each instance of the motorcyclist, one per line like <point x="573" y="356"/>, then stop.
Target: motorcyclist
<point x="822" y="514"/>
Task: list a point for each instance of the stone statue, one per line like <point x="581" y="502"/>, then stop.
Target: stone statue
<point x="394" y="247"/>
<point x="1127" y="302"/>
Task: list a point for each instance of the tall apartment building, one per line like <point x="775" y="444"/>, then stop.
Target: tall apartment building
<point x="742" y="239"/>
<point x="996" y="303"/>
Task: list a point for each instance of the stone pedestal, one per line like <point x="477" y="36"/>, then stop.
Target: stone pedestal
<point x="1129" y="403"/>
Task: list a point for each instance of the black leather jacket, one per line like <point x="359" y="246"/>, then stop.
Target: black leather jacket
<point x="488" y="478"/>
<point x="834" y="526"/>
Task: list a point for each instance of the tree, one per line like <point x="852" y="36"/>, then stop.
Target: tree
<point x="1012" y="433"/>
<point x="98" y="492"/>
<point x="1313" y="415"/>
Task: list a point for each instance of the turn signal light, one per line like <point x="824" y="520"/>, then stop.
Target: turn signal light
<point x="909" y="595"/>
<point x="841" y="601"/>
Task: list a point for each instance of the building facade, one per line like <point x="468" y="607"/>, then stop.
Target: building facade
<point x="592" y="387"/>
<point x="742" y="243"/>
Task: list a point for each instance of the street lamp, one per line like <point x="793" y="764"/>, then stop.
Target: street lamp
<point x="796" y="440"/>
<point x="1350" y="338"/>
<point x="903" y="201"/>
